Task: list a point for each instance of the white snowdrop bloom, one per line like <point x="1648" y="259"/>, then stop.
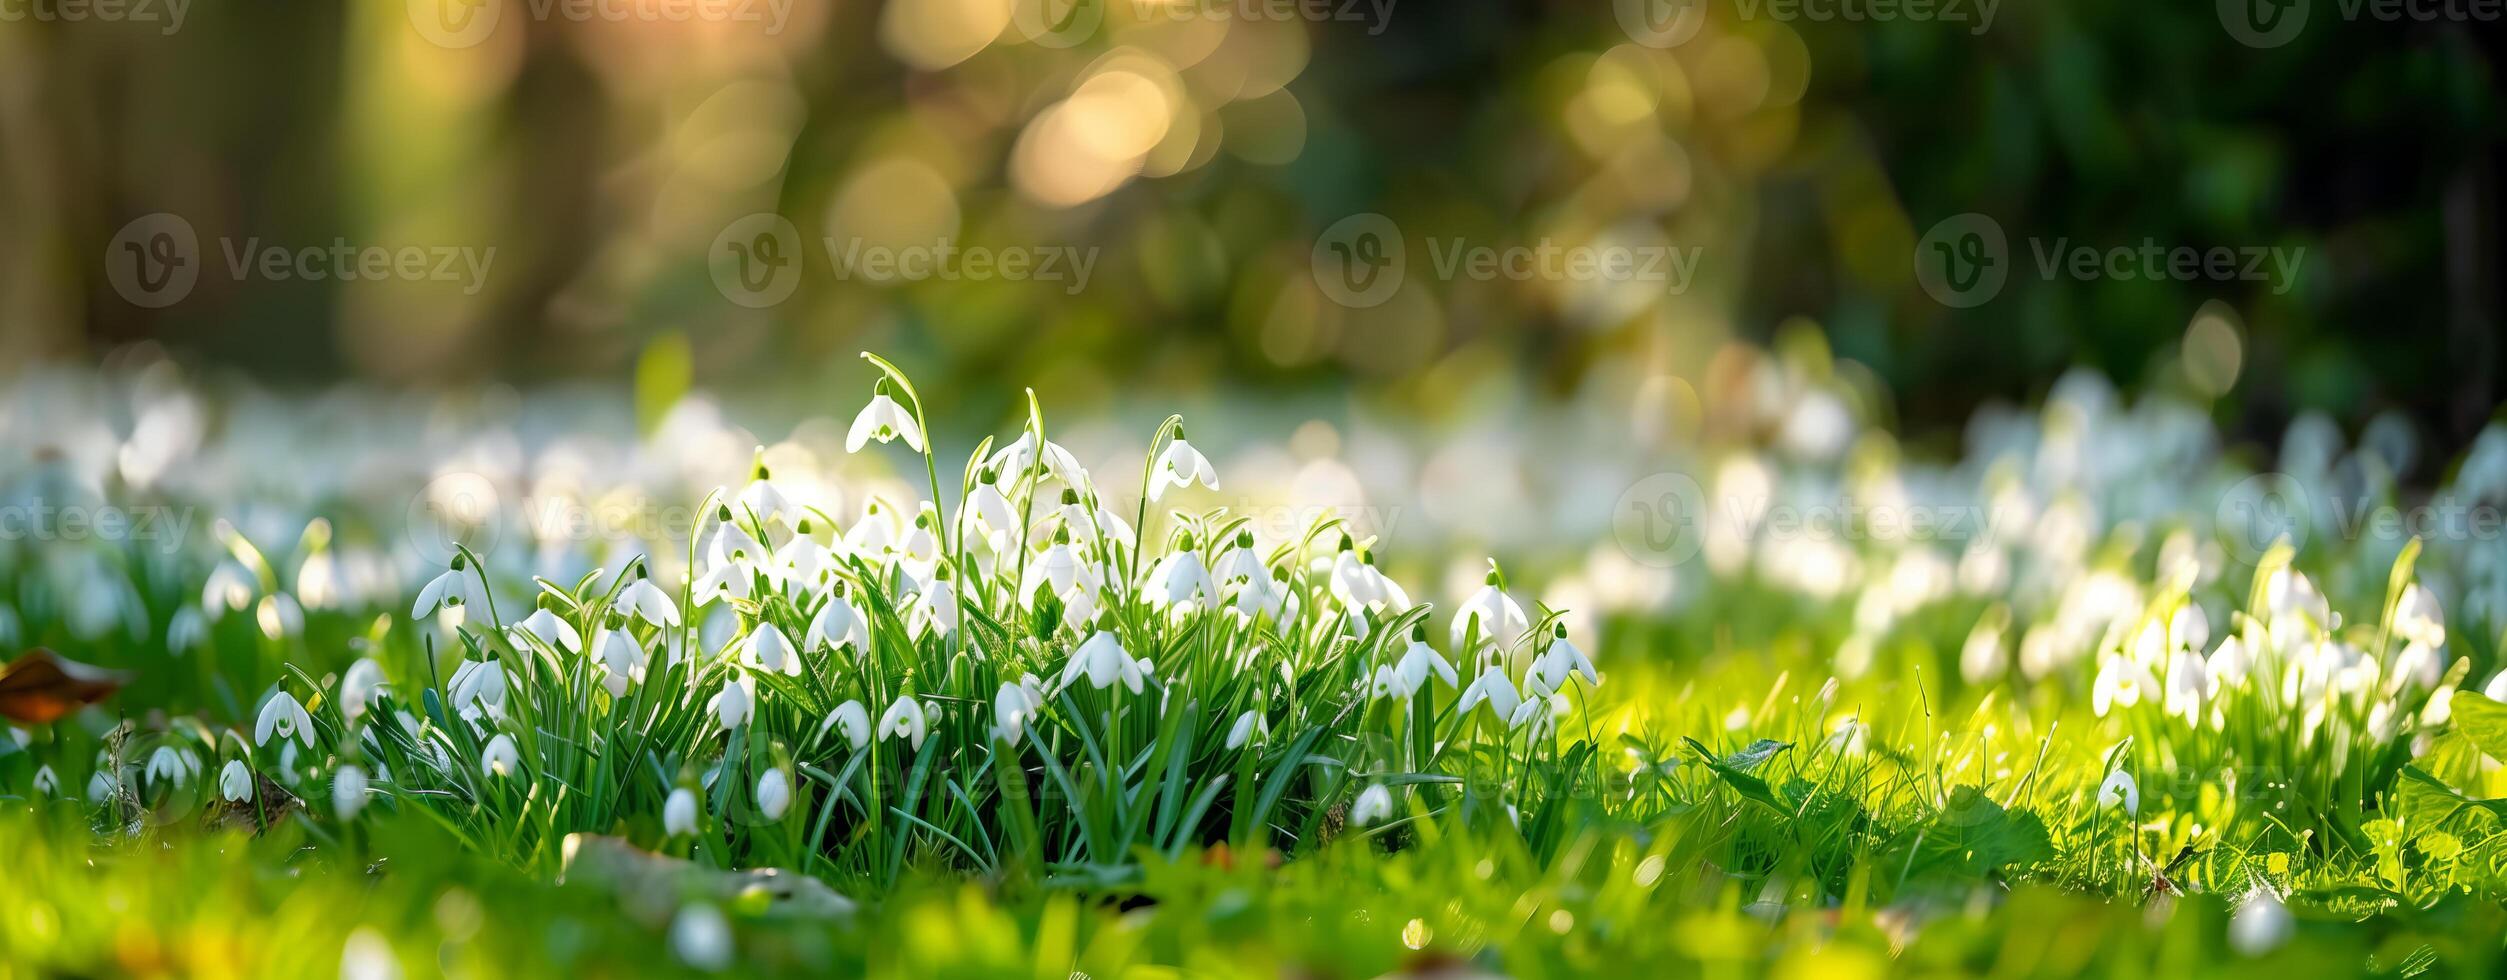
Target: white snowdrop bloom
<point x="986" y="515"/>
<point x="1980" y="658"/>
<point x="762" y="498"/>
<point x="283" y="717"/>
<point x="1181" y="584"/>
<point x="454" y="587"/>
<point x="360" y="687"/>
<point x="48" y="783"/>
<point x="235" y="782"/>
<point x="905" y="720"/>
<point x="166" y="765"/>
<point x="731" y="705"/>
<point x="2418" y="618"/>
<point x="478" y="688"/>
<point x="348" y="791"/>
<point x="500" y="757"/>
<point x="679" y="813"/>
<point x="102" y="786"/>
<point x="1374" y="806"/>
<point x="2496" y="689"/>
<point x="1420" y="662"/>
<point x="2420" y="664"/>
<point x="767" y="649"/>
<point x="1566" y="660"/>
<point x="1098" y="526"/>
<point x="2119" y="789"/>
<point x="852" y="721"/>
<point x="2121" y="682"/>
<point x="184" y="632"/>
<point x="1010" y="463"/>
<point x="885" y="420"/>
<point x="723" y="581"/>
<point x="1538" y="715"/>
<point x="1266" y="595"/>
<point x="2261" y="924"/>
<point x="230" y="587"/>
<point x="279" y="616"/>
<point x="1239" y="563"/>
<point x="701" y="937"/>
<point x="732" y="543"/>
<point x="1497" y="617"/>
<point x="1061" y="572"/>
<point x="837" y="625"/>
<point x="1248" y="725"/>
<point x="550" y="629"/>
<point x="874" y="537"/>
<point x="646" y="601"/>
<point x="2189" y="628"/>
<point x="774" y="794"/>
<point x="2292" y="593"/>
<point x="1013" y="707"/>
<point x="2187" y="688"/>
<point x="622" y="660"/>
<point x="1103" y="661"/>
<point x="1384" y="683"/>
<point x="802" y="563"/>
<point x="1493" y="688"/>
<point x="2229" y="663"/>
<point x="1354" y="583"/>
<point x="934" y="610"/>
<point x="1181" y="465"/>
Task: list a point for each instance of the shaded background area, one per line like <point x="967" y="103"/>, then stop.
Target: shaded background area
<point x="1196" y="151"/>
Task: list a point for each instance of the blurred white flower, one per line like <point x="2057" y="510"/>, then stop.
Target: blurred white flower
<point x="679" y="813"/>
<point x="2119" y="789"/>
<point x="731" y="704"/>
<point x="2418" y="618"/>
<point x="500" y="757"/>
<point x="2121" y="682"/>
<point x="279" y="616"/>
<point x="774" y="794"/>
<point x="2261" y="924"/>
<point x="235" y="782"/>
<point x="166" y="765"/>
<point x="368" y="956"/>
<point x="360" y="687"/>
<point x="701" y="937"/>
<point x="1247" y="725"/>
<point x="1374" y="805"/>
<point x="230" y="587"/>
<point x="348" y="791"/>
<point x="46" y="782"/>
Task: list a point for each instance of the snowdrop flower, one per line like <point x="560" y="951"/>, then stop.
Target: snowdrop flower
<point x="2229" y="663"/>
<point x="1564" y="660"/>
<point x="731" y="704"/>
<point x="478" y="687"/>
<point x="235" y="782"/>
<point x="874" y="537"/>
<point x="1010" y="463"/>
<point x="550" y="629"/>
<point x="1373" y="806"/>
<point x="774" y="794"/>
<point x="2121" y="682"/>
<point x="1017" y="703"/>
<point x="500" y="758"/>
<point x="278" y="615"/>
<point x="230" y="587"/>
<point x="1181" y="465"/>
<point x="802" y="561"/>
<point x="348" y="791"/>
<point x="283" y="717"/>
<point x="905" y="720"/>
<point x="724" y="580"/>
<point x="1499" y="618"/>
<point x="2261" y="923"/>
<point x="2291" y="592"/>
<point x="2419" y="663"/>
<point x="102" y="786"/>
<point x="1087" y="526"/>
<point x="2188" y="686"/>
<point x="761" y="497"/>
<point x="987" y="514"/>
<point x="1419" y="662"/>
<point x="646" y="601"/>
<point x="837" y="625"/>
<point x="2418" y="619"/>
<point x="1266" y="594"/>
<point x="1248" y="725"/>
<point x="185" y="632"/>
<point x="934" y="609"/>
<point x="852" y="721"/>
<point x="2496" y="689"/>
<point x="166" y="765"/>
<point x="2120" y="790"/>
<point x="1102" y="660"/>
<point x="454" y="587"/>
<point x="1181" y="583"/>
<point x="622" y="660"/>
<point x="701" y="937"/>
<point x="1538" y="716"/>
<point x="360" y="687"/>
<point x="679" y="813"/>
<point x="1239" y="564"/>
<point x="1495" y="689"/>
<point x="766" y="649"/>
<point x="885" y="420"/>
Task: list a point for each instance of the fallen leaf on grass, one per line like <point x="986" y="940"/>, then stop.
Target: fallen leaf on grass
<point x="42" y="686"/>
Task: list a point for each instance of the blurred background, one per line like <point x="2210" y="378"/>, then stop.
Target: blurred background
<point x="437" y="194"/>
